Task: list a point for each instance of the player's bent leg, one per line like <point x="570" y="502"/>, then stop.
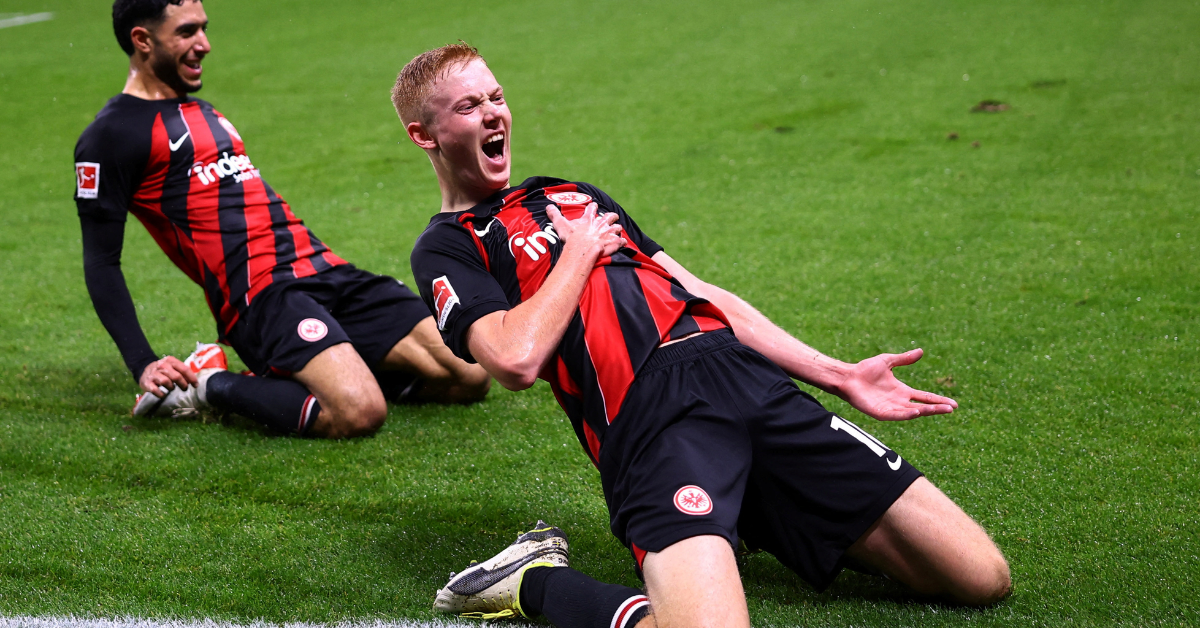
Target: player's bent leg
<point x="927" y="542"/>
<point x="351" y="401"/>
<point x="695" y="583"/>
<point x="444" y="377"/>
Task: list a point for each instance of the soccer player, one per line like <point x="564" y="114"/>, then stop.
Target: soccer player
<point x="320" y="334"/>
<point x="678" y="391"/>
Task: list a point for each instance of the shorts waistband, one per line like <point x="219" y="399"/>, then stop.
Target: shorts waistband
<point x="689" y="349"/>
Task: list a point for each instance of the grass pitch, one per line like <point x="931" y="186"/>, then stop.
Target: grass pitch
<point x="795" y="152"/>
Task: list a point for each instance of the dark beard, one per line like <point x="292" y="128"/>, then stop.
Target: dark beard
<point x="167" y="71"/>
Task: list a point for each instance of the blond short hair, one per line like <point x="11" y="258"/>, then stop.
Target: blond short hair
<point x="413" y="84"/>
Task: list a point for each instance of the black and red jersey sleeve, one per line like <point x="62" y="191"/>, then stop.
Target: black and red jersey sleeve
<point x="110" y="160"/>
<point x="454" y="282"/>
<point x="633" y="233"/>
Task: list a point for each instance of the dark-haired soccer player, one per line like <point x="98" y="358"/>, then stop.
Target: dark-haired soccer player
<point x="321" y="334"/>
<point x="678" y="391"/>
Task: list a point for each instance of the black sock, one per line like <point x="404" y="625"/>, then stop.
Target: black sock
<point x="280" y="404"/>
<point x="397" y="386"/>
<point x="570" y="599"/>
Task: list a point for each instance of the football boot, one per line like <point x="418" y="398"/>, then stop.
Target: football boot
<point x="204" y="361"/>
<point x="492" y="589"/>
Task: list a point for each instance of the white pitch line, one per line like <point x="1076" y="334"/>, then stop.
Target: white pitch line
<point x="26" y="19"/>
<point x="70" y="621"/>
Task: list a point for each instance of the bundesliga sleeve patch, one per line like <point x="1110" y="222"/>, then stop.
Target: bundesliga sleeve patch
<point x="444" y="300"/>
<point x="87" y="179"/>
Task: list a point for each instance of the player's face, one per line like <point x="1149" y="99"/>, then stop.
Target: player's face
<point x="179" y="45"/>
<point x="471" y="124"/>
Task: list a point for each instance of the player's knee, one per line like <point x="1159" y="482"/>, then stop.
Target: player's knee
<point x="363" y="417"/>
<point x="989" y="584"/>
<point x="473" y="385"/>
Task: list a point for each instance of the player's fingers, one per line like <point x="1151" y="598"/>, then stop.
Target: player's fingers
<point x="161" y="381"/>
<point x="170" y="362"/>
<point x="153" y="389"/>
<point x="589" y="212"/>
<point x="906" y="358"/>
<point x="928" y="397"/>
<point x="610" y="217"/>
<point x="556" y="217"/>
<point x="172" y="365"/>
<point x="186" y="373"/>
<point x="176" y="378"/>
<point x="930" y="409"/>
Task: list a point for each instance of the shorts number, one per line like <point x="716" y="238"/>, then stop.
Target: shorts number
<point x="840" y="424"/>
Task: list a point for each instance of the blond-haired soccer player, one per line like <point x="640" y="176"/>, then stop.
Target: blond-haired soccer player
<point x="678" y="391"/>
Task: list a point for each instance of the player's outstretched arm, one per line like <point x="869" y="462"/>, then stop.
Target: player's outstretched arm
<point x="869" y="386"/>
<point x="102" y="244"/>
<point x="514" y="345"/>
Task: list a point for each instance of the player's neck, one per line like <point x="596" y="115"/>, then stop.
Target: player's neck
<point x="142" y="83"/>
<point x="457" y="196"/>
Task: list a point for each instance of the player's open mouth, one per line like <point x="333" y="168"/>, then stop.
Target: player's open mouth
<point x="493" y="146"/>
<point x="194" y="67"/>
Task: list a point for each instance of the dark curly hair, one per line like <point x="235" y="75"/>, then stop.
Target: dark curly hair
<point x="130" y="13"/>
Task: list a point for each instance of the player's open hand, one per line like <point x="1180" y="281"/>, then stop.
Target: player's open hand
<point x="589" y="230"/>
<point x="161" y="376"/>
<point x="873" y="389"/>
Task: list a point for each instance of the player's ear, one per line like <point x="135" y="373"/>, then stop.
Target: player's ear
<point x="142" y="42"/>
<point x="420" y="135"/>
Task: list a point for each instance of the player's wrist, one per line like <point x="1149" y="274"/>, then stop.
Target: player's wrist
<point x="837" y="377"/>
<point x="582" y="250"/>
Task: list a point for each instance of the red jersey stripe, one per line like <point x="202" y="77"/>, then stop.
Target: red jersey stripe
<point x="202" y="203"/>
<point x="302" y="267"/>
<point x="639" y="554"/>
<point x="593" y="443"/>
<point x="614" y="371"/>
<point x="260" y="239"/>
<point x="149" y="192"/>
<point x="526" y="239"/>
<point x="463" y="220"/>
<point x="709" y="317"/>
<point x="147" y="204"/>
<point x="663" y="307"/>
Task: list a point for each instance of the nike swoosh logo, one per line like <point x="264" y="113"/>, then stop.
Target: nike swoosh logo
<point x="485" y="230"/>
<point x="894" y="464"/>
<point x="177" y="143"/>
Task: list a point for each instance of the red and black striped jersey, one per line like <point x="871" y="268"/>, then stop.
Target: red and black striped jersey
<point x="497" y="254"/>
<point x="181" y="168"/>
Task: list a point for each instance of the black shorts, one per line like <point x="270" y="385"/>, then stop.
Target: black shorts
<point x="290" y="322"/>
<point x="714" y="438"/>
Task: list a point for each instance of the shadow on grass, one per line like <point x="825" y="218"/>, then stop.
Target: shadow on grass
<point x="768" y="581"/>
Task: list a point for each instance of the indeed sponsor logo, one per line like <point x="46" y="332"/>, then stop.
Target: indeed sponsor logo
<point x="238" y="166"/>
<point x="530" y="245"/>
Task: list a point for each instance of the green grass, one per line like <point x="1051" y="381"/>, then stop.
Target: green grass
<point x="794" y="152"/>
